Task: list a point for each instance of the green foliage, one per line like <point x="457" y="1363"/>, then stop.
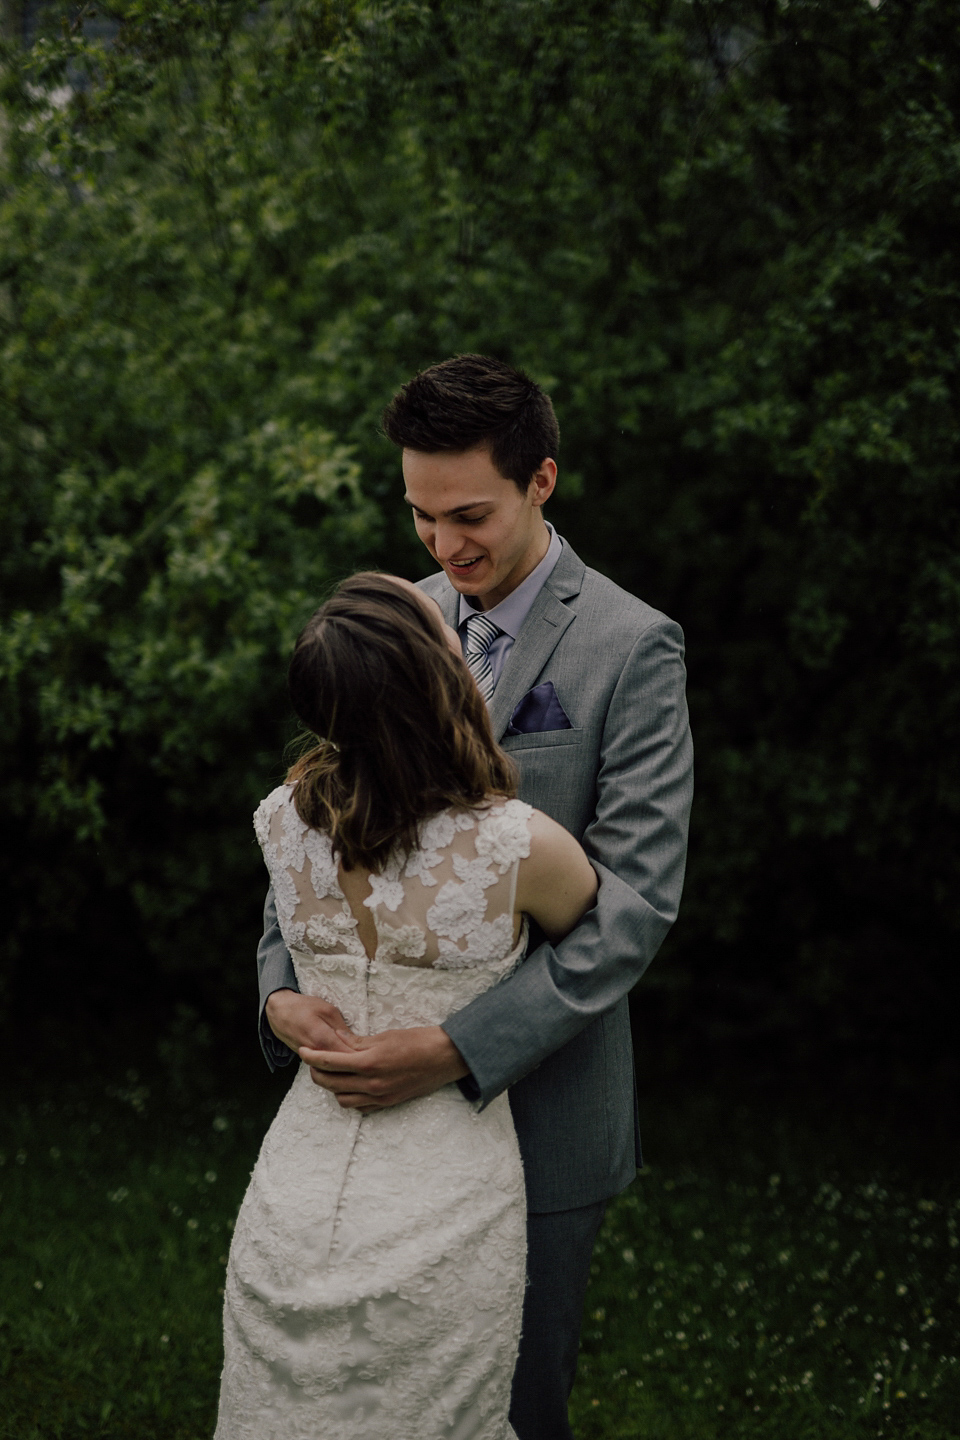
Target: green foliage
<point x="721" y="232"/>
<point x="176" y="512"/>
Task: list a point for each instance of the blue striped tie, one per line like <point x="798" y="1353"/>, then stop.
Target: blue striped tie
<point x="481" y="634"/>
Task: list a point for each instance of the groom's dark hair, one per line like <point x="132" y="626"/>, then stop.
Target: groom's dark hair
<point x="474" y="400"/>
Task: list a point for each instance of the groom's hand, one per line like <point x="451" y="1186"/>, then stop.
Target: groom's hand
<point x="372" y="1072"/>
<point x="306" y="1020"/>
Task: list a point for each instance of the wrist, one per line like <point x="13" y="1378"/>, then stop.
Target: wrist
<point x="277" y="1009"/>
<point x="274" y="1000"/>
<point x="448" y="1057"/>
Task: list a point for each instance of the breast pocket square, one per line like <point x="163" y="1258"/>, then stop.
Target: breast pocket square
<point x="539" y="710"/>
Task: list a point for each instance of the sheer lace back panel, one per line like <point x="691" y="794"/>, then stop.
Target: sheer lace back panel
<point x="449" y="905"/>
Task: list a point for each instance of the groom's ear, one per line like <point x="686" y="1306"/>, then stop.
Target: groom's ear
<point x="543" y="482"/>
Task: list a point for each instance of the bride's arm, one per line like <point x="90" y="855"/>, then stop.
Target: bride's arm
<point x="556" y="884"/>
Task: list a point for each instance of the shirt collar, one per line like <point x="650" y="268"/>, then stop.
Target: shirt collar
<point x="511" y="612"/>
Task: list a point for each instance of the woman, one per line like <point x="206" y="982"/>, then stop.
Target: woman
<point x="376" y="1274"/>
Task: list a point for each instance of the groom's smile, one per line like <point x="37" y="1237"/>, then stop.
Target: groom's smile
<point x="485" y="531"/>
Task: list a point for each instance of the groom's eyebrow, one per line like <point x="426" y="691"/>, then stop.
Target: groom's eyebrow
<point x="446" y="514"/>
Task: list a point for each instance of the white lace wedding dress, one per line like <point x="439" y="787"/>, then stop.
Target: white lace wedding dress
<point x="376" y="1276"/>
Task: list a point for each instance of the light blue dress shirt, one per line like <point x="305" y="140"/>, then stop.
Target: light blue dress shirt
<point x="510" y="614"/>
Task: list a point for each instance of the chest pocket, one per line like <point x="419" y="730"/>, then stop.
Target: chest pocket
<point x="541" y="740"/>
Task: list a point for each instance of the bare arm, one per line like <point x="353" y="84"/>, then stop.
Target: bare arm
<point x="556" y="884"/>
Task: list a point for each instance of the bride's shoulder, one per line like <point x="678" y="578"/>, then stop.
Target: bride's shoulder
<point x="495" y="822"/>
<point x="550" y="843"/>
<point x="504" y="829"/>
<point x="277" y="799"/>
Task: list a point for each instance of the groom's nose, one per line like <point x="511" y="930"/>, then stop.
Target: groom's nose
<point x="448" y="542"/>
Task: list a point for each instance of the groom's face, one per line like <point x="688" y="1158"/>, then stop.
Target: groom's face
<point x="481" y="528"/>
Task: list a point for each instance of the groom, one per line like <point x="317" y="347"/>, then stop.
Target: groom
<point x="585" y="685"/>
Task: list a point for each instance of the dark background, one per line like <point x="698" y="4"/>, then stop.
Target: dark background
<point x="723" y="235"/>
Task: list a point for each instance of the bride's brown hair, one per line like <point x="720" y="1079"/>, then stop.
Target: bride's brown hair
<point x="403" y="731"/>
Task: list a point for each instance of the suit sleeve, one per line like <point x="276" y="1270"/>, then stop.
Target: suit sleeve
<point x="637" y="841"/>
<point x="276" y="972"/>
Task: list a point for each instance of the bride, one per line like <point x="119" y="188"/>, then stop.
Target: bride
<point x="375" y="1280"/>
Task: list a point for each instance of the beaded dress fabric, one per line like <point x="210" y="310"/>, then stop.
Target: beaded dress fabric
<point x="375" y="1280"/>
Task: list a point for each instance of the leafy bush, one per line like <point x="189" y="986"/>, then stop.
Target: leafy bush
<point x="721" y="233"/>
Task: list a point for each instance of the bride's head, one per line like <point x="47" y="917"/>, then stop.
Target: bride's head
<point x="402" y="730"/>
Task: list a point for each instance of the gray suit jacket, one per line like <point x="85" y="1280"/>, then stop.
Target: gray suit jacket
<point x="557" y="1033"/>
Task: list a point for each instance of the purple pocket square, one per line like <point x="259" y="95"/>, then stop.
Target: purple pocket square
<point x="539" y="710"/>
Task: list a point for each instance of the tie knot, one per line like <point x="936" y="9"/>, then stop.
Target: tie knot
<point x="481" y="633"/>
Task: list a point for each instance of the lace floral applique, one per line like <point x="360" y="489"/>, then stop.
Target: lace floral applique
<point x="474" y="872"/>
<point x="292" y="851"/>
<point x="386" y="888"/>
<point x="459" y="911"/>
<point x="286" y="899"/>
<point x="408" y="941"/>
<point x="323" y="866"/>
<point x="284" y="886"/>
<point x="456" y="910"/>
<point x="335" y="932"/>
<point x="435" y="834"/>
<point x="265" y="812"/>
<point x="486" y="943"/>
<point x="503" y="835"/>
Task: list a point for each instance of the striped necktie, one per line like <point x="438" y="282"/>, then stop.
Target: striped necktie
<point x="481" y="634"/>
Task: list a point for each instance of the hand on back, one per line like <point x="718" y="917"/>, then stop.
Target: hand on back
<point x="305" y="1020"/>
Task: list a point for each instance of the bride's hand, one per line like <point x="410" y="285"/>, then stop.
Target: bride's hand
<point x="385" y="1069"/>
<point x="300" y="1020"/>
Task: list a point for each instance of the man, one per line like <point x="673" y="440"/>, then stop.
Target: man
<point x="585" y="685"/>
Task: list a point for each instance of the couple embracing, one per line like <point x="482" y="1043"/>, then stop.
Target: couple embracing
<point x="468" y="873"/>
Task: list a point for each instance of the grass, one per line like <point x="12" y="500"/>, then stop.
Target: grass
<point x="772" y="1306"/>
<point x="765" y="1291"/>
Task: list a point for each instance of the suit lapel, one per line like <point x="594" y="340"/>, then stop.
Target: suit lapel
<point x="449" y="603"/>
<point x="539" y="636"/>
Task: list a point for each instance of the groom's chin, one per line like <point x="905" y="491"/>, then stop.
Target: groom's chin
<point x="466" y="584"/>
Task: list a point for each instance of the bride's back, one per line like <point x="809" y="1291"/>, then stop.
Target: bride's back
<point x="449" y="903"/>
